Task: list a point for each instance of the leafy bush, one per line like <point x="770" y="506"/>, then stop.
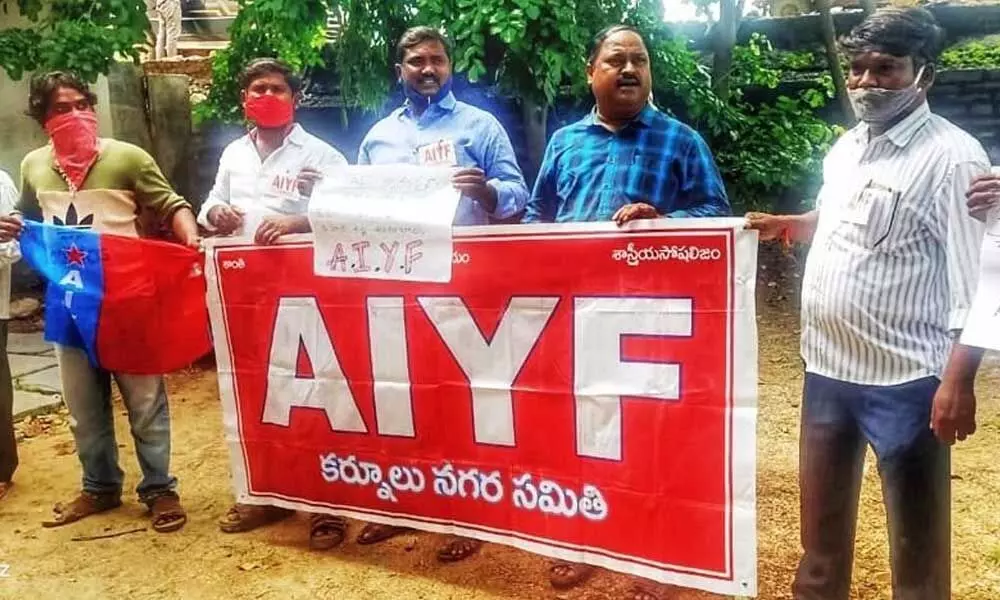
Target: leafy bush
<point x="535" y="49"/>
<point x="975" y="54"/>
<point x="85" y="36"/>
<point x="762" y="148"/>
<point x="292" y="30"/>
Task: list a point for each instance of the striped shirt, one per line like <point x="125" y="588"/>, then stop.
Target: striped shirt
<point x="893" y="264"/>
<point x="589" y="172"/>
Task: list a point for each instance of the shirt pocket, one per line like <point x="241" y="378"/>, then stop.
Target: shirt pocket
<point x="873" y="212"/>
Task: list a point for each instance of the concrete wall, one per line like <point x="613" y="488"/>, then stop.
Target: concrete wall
<point x="128" y="108"/>
<point x="19" y="134"/>
<point x="971" y="100"/>
<point x="169" y="111"/>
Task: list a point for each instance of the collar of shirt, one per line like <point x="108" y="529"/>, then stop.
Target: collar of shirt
<point x="644" y="118"/>
<point x="444" y="106"/>
<point x="297" y="137"/>
<point x="901" y="133"/>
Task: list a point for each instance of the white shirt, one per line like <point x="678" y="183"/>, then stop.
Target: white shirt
<point x="269" y="187"/>
<point x="11" y="251"/>
<point x="893" y="264"/>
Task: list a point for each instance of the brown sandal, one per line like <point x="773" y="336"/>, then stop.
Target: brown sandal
<point x="245" y="517"/>
<point x="168" y="514"/>
<point x="374" y="533"/>
<point x="326" y="531"/>
<point x="5" y="488"/>
<point x="457" y="549"/>
<point x="82" y="506"/>
<point x="564" y="576"/>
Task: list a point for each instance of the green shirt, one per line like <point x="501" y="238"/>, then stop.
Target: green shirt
<point x="124" y="193"/>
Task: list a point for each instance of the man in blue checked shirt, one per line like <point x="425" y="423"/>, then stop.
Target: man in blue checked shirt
<point x="626" y="160"/>
<point x="433" y="128"/>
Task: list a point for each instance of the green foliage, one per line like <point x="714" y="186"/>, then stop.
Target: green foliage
<point x="84" y="36"/>
<point x="292" y="30"/>
<point x="364" y="53"/>
<point x="534" y="48"/>
<point x="974" y="54"/>
<point x="762" y="148"/>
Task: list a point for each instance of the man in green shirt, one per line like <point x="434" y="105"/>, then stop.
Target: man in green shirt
<point x="80" y="180"/>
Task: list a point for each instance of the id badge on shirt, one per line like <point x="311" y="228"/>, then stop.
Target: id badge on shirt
<point x="439" y="154"/>
<point x="858" y="209"/>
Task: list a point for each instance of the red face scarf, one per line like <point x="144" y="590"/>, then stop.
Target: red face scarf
<point x="74" y="141"/>
<point x="269" y="112"/>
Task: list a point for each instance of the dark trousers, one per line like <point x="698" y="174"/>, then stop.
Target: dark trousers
<point x="838" y="421"/>
<point x="8" y="445"/>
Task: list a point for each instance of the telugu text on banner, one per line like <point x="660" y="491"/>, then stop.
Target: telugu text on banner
<point x="579" y="391"/>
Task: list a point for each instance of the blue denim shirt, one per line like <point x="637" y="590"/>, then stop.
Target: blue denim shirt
<point x="480" y="141"/>
<point x="589" y="172"/>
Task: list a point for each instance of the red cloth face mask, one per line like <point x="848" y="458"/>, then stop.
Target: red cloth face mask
<point x="269" y="112"/>
<point x="74" y="143"/>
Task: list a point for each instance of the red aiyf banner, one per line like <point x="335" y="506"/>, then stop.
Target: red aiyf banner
<point x="577" y="391"/>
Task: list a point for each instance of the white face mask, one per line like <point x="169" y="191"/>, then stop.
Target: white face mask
<point x="879" y="105"/>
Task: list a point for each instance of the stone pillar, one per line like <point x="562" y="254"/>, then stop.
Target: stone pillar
<point x="127" y="106"/>
<point x="170" y="125"/>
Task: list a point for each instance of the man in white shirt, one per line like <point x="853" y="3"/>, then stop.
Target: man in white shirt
<point x="887" y="286"/>
<point x="265" y="178"/>
<point x="9" y="253"/>
<point x="262" y="189"/>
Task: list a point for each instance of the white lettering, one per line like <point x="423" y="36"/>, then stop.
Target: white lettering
<point x="299" y="320"/>
<point x="390" y="367"/>
<point x="600" y="375"/>
<point x="491" y="365"/>
<point x="72" y="278"/>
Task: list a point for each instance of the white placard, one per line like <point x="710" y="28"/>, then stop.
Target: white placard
<point x="384" y="222"/>
<point x="982" y="329"/>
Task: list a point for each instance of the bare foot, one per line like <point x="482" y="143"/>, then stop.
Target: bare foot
<point x="374" y="533"/>
<point x="457" y="549"/>
<point x="244" y="517"/>
<point x="637" y="593"/>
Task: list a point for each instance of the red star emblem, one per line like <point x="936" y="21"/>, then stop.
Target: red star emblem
<point x="75" y="256"/>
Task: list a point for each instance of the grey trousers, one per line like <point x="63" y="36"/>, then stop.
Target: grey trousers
<point x="8" y="445"/>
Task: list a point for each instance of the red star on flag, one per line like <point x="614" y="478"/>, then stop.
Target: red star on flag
<point x="75" y="256"/>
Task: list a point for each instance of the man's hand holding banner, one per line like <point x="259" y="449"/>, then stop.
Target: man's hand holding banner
<point x="578" y="391"/>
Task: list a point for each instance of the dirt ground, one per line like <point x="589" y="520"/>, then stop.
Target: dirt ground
<point x="274" y="563"/>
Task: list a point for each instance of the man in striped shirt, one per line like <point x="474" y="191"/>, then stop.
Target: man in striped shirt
<point x="887" y="286"/>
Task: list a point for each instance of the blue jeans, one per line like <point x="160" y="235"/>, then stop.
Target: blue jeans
<point x="87" y="393"/>
<point x="838" y="420"/>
